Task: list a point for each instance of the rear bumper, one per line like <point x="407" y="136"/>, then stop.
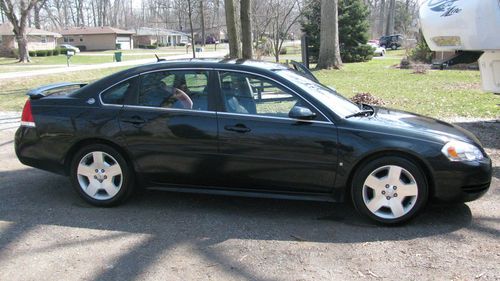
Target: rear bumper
<point x="463" y="181"/>
<point x="31" y="152"/>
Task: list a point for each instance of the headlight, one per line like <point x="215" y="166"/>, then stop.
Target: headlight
<point x="461" y="151"/>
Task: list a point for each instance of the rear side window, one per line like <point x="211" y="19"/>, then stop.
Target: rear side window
<point x="117" y="93"/>
<point x="180" y="89"/>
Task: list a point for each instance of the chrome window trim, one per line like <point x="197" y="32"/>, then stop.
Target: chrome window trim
<point x="284" y="86"/>
<point x="273" y="117"/>
<point x="112" y="104"/>
<point x="170" y="109"/>
<point x="227" y="113"/>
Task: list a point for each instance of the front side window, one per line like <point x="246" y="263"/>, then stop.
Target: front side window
<point x="249" y="94"/>
<point x="186" y="89"/>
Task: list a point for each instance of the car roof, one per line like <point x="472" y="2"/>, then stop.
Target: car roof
<point x="229" y="64"/>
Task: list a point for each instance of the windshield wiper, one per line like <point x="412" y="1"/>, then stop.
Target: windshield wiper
<point x="362" y="113"/>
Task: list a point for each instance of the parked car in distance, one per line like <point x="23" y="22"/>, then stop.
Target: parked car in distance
<point x="377" y="50"/>
<point x="69" y="47"/>
<point x="392" y="42"/>
<point x="246" y="128"/>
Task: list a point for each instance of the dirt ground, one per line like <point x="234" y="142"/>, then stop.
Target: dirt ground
<point x="48" y="233"/>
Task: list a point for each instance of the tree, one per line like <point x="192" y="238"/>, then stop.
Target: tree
<point x="329" y="47"/>
<point x="246" y="29"/>
<point x="190" y="14"/>
<point x="353" y="30"/>
<point x="390" y="18"/>
<point x="202" y="23"/>
<point x="284" y="15"/>
<point x="232" y="34"/>
<point x="19" y="23"/>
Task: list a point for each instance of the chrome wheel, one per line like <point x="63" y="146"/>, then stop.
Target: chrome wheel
<point x="99" y="175"/>
<point x="390" y="192"/>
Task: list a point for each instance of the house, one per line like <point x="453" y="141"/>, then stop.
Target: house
<point x="97" y="38"/>
<point x="37" y="40"/>
<point x="151" y="36"/>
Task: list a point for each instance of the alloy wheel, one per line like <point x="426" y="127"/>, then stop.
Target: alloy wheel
<point x="99" y="175"/>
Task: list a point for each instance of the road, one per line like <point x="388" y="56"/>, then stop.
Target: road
<point x="59" y="69"/>
<point x="48" y="233"/>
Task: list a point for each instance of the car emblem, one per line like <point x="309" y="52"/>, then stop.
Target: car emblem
<point x="91" y="101"/>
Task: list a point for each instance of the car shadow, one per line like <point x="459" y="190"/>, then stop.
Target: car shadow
<point x="30" y="198"/>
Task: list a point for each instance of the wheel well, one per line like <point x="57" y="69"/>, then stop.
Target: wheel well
<point x="420" y="163"/>
<point x="82" y="143"/>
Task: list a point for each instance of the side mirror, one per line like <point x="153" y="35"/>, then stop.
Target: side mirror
<point x="302" y="113"/>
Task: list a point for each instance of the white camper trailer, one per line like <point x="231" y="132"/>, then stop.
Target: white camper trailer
<point x="466" y="25"/>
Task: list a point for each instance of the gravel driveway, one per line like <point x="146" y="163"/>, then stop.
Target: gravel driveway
<point x="48" y="233"/>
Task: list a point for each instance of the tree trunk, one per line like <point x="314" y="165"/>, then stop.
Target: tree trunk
<point x="190" y="14"/>
<point x="391" y="18"/>
<point x="381" y="27"/>
<point x="232" y="34"/>
<point x="329" y="49"/>
<point x="22" y="42"/>
<point x="246" y="29"/>
<point x="202" y="23"/>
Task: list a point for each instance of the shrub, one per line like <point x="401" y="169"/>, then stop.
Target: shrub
<point x="63" y="51"/>
<point x="405" y="63"/>
<point x="150" y="47"/>
<point x="283" y="51"/>
<point x="56" y="51"/>
<point x="357" y="54"/>
<point x="32" y="53"/>
<point x="421" y="52"/>
<point x="142" y="46"/>
<point x="41" y="53"/>
<point x="50" y="53"/>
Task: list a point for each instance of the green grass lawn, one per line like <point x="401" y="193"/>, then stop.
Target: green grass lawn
<point x="13" y="91"/>
<point x="447" y="93"/>
<point x="438" y="93"/>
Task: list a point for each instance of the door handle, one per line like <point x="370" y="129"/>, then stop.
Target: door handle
<point x="239" y="128"/>
<point x="136" y="120"/>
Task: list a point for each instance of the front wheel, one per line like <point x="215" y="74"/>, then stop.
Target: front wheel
<point x="389" y="190"/>
<point x="101" y="175"/>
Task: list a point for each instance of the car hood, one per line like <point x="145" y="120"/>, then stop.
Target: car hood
<point x="417" y="126"/>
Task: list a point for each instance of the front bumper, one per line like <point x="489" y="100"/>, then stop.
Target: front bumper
<point x="462" y="181"/>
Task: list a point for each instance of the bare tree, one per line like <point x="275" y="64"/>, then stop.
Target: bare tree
<point x="232" y="34"/>
<point x="390" y="18"/>
<point x="190" y="14"/>
<point x="202" y="23"/>
<point x="246" y="29"/>
<point x="19" y="23"/>
<point x="286" y="14"/>
<point x="329" y="49"/>
<point x="36" y="15"/>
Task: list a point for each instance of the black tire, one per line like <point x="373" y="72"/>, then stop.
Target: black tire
<point x="415" y="205"/>
<point x="394" y="47"/>
<point x="127" y="180"/>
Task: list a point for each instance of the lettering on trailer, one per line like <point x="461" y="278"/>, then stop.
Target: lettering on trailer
<point x="446" y="7"/>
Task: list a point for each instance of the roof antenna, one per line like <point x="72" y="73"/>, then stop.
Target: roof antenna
<point x="158" y="58"/>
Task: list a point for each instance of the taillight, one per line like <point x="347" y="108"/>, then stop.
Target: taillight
<point x="27" y="117"/>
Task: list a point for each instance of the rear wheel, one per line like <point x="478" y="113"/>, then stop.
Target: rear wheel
<point x="389" y="190"/>
<point x="394" y="47"/>
<point x="101" y="175"/>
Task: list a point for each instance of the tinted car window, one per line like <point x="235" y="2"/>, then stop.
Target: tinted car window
<point x="174" y="89"/>
<point x="116" y="94"/>
<point x="249" y="94"/>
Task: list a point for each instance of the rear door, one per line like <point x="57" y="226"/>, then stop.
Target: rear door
<point x="170" y="127"/>
<point x="262" y="148"/>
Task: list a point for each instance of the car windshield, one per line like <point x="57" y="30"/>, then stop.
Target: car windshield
<point x="329" y="97"/>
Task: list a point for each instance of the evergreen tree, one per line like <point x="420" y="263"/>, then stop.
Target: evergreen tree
<point x="353" y="30"/>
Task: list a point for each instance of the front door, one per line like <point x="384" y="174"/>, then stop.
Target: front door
<point x="263" y="148"/>
<point x="171" y="128"/>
